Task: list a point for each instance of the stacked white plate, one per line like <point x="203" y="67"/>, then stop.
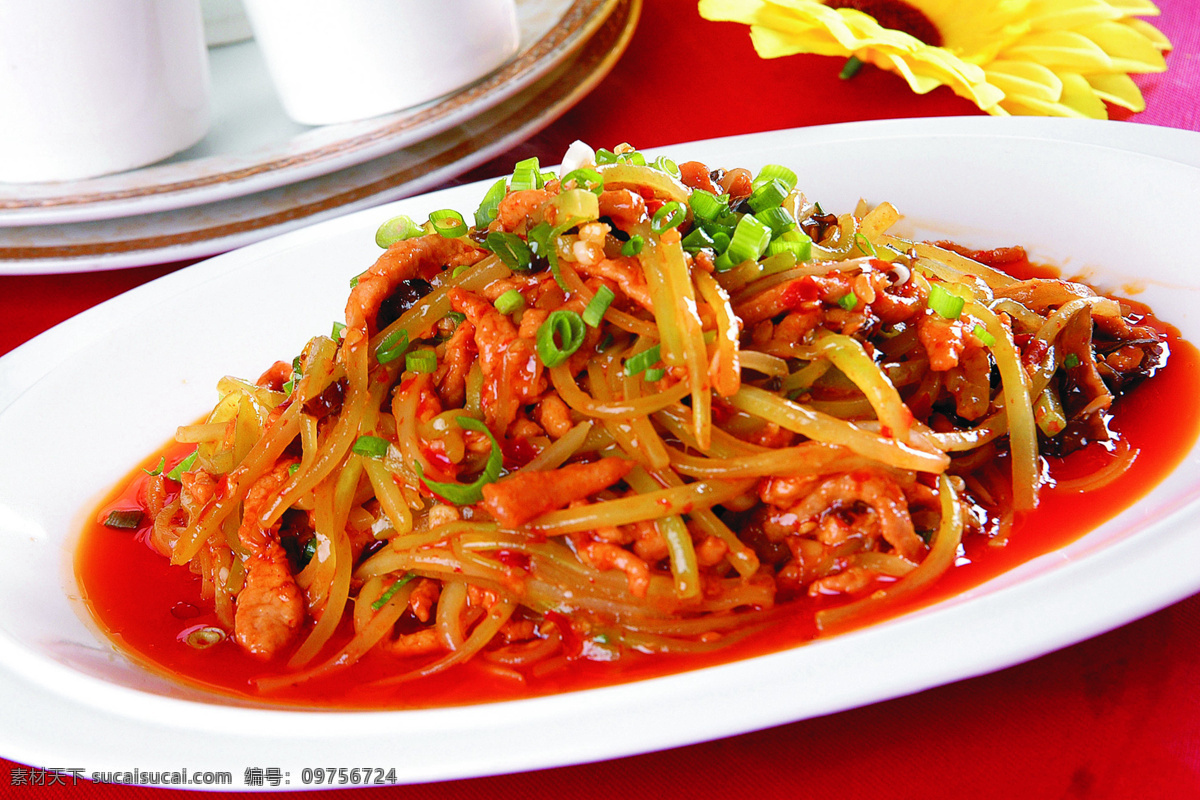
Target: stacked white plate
<point x="257" y="173"/>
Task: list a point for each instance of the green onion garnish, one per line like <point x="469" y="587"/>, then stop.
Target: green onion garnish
<point x="339" y="331"/>
<point x="671" y="215"/>
<point x="750" y="240"/>
<point x="392" y="347"/>
<point x="356" y="278"/>
<point x="584" y="178"/>
<point x="865" y="246"/>
<point x="768" y="195"/>
<point x="397" y="229"/>
<point x="490" y="206"/>
<point x="656" y="374"/>
<point x="183" y="466"/>
<point x="539" y="239"/>
<point x="126" y="520"/>
<point x="559" y="336"/>
<point x="947" y="305"/>
<point x="850" y="68"/>
<point x="633" y="246"/>
<point x="293" y="469"/>
<point x="1071" y="361"/>
<point x="848" y="301"/>
<point x="526" y="175"/>
<point x="162" y="464"/>
<point x="598" y="305"/>
<point x="778" y="219"/>
<point x="457" y="317"/>
<point x="509" y="302"/>
<point x="697" y="240"/>
<point x="391" y="591"/>
<point x="776" y="172"/>
<point x="801" y="249"/>
<point x="511" y="249"/>
<point x="370" y="446"/>
<point x="422" y="361"/>
<point x="706" y="205"/>
<point x="664" y="164"/>
<point x="467" y="494"/>
<point x="982" y="335"/>
<point x="605" y="157"/>
<point x="448" y="223"/>
<point x="640" y="362"/>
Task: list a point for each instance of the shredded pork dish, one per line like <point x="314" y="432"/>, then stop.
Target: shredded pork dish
<point x="634" y="405"/>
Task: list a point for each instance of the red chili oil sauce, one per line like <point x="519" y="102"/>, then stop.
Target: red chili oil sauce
<point x="148" y="606"/>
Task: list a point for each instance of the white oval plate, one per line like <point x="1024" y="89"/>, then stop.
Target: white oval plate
<point x="252" y="145"/>
<point x="85" y="401"/>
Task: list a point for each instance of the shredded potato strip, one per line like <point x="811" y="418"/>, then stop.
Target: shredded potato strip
<point x="576" y="398"/>
<point x="640" y="508"/>
<point x="824" y="428"/>
<point x="680" y="550"/>
<point x="725" y="371"/>
<point x="943" y="551"/>
<point x="849" y="356"/>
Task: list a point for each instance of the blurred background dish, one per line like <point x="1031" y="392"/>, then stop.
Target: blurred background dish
<point x="209" y="228"/>
<point x="252" y="145"/>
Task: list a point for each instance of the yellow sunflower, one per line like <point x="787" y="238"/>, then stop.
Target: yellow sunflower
<point x="1051" y="57"/>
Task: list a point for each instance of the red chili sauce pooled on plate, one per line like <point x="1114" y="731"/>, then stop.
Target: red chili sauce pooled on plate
<point x="154" y="611"/>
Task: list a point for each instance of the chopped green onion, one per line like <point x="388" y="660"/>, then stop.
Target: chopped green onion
<point x="750" y="240"/>
<point x="392" y="347"/>
<point x="526" y="175"/>
<point x="778" y="219"/>
<point x="594" y="313"/>
<point x="510" y="302"/>
<point x="339" y="331"/>
<point x="605" y="157"/>
<point x="182" y="467"/>
<point x="865" y="246"/>
<point x="539" y="239"/>
<point x="656" y="374"/>
<point x="162" y="464"/>
<point x="355" y="279"/>
<point x="490" y="206"/>
<point x="468" y="494"/>
<point x="397" y="229"/>
<point x="126" y="520"/>
<point x="310" y="550"/>
<point x="706" y="205"/>
<point x="633" y="246"/>
<point x="721" y="241"/>
<point x="457" y="317"/>
<point x="947" y="305"/>
<point x="391" y="590"/>
<point x="511" y="249"/>
<point x="850" y="68"/>
<point x="982" y="335"/>
<point x="801" y="249"/>
<point x="459" y="270"/>
<point x="559" y="337"/>
<point x="293" y="469"/>
<point x="449" y="223"/>
<point x="605" y="343"/>
<point x="584" y="178"/>
<point x="697" y="240"/>
<point x="776" y="172"/>
<point x="1071" y="361"/>
<point x="423" y="361"/>
<point x="768" y="195"/>
<point x="671" y="215"/>
<point x="848" y="301"/>
<point x="204" y="638"/>
<point x="664" y="164"/>
<point x="370" y="446"/>
<point x="640" y="362"/>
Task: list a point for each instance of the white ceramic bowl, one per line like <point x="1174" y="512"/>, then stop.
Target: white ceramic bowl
<point x="352" y="59"/>
<point x="98" y="87"/>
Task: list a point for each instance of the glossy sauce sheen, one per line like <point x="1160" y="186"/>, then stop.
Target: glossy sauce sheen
<point x="148" y="606"/>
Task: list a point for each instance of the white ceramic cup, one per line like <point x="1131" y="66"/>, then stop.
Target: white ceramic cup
<point x="337" y="61"/>
<point x="98" y="86"/>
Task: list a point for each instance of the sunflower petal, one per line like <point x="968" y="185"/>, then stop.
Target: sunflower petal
<point x="1119" y="89"/>
<point x="1129" y="50"/>
<point x="1024" y="79"/>
<point x="1156" y="37"/>
<point x="1078" y="100"/>
<point x="1067" y="14"/>
<point x="1135" y="8"/>
<point x="1061" y="50"/>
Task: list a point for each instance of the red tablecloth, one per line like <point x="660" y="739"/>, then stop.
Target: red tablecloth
<point x="1114" y="717"/>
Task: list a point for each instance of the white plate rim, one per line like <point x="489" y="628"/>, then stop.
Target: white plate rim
<point x="513" y="120"/>
<point x="604" y="714"/>
<point x="179" y="184"/>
